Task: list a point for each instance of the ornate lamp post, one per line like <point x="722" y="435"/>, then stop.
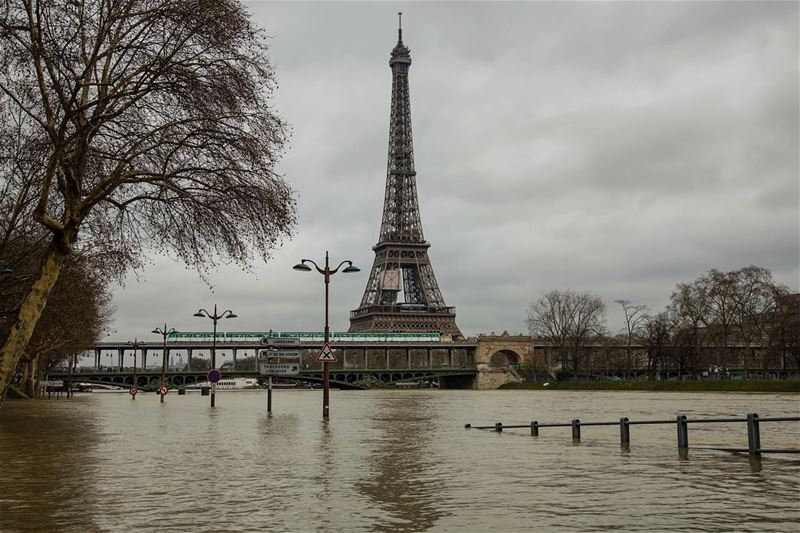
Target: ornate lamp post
<point x="327" y="273"/>
<point x="214" y="318"/>
<point x="135" y="344"/>
<point x="165" y="333"/>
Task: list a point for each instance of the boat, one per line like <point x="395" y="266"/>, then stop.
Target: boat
<point x="228" y="384"/>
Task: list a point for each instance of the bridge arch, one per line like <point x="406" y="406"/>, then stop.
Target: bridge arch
<point x="505" y="357"/>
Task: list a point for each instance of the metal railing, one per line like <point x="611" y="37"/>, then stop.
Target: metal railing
<point x="681" y="423"/>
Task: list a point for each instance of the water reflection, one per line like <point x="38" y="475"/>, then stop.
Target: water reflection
<point x="403" y="478"/>
<point x="48" y="464"/>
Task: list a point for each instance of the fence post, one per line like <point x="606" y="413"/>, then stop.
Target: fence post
<point x="753" y="434"/>
<point x="683" y="433"/>
<point x="624" y="432"/>
<point x="534" y="428"/>
<point x="576" y="429"/>
<point x="498" y="427"/>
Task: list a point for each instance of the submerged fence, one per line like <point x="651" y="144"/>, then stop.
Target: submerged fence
<point x="681" y="423"/>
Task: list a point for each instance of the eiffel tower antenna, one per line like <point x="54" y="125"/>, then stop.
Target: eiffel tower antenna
<point x="402" y="294"/>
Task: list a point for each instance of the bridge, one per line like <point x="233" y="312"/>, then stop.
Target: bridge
<point x="454" y="377"/>
<point x="363" y="362"/>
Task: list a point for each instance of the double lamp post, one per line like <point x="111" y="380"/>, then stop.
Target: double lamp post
<point x="327" y="272"/>
<point x="214" y="318"/>
<point x="164" y="333"/>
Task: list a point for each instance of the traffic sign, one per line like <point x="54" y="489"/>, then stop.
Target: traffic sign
<point x="326" y="355"/>
<point x="133" y="391"/>
<point x="286" y="341"/>
<point x="278" y="353"/>
<point x="280" y="369"/>
<point x="214" y="375"/>
<point x="163" y="390"/>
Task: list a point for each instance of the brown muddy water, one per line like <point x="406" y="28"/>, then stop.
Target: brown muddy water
<point x="394" y="461"/>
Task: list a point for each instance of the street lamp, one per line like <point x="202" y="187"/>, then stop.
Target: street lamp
<point x="214" y="318"/>
<point x="327" y="273"/>
<point x="136" y="344"/>
<point x="165" y="333"/>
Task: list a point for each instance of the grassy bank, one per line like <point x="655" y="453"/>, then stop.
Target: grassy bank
<point x="677" y="386"/>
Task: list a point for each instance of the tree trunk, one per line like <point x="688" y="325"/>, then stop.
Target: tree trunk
<point x="31" y="373"/>
<point x="29" y="313"/>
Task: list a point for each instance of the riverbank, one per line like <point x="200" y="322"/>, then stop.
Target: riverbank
<point x="752" y="385"/>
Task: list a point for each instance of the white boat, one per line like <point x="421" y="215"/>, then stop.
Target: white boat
<point x="228" y="384"/>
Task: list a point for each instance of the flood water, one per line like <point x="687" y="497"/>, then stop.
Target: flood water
<point x="391" y="461"/>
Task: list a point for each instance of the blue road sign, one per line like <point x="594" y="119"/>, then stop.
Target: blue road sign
<point x="214" y="375"/>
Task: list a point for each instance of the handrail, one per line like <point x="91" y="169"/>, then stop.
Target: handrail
<point x="681" y="421"/>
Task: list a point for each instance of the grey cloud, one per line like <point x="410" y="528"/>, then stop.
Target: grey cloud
<point x="616" y="147"/>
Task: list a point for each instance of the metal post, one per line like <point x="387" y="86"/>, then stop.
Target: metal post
<point x="753" y="434"/>
<point x="133" y="396"/>
<point x="325" y="370"/>
<point x="576" y="429"/>
<point x="683" y="433"/>
<point x="498" y="427"/>
<point x="189" y="359"/>
<point x="164" y="354"/>
<point x="534" y="429"/>
<point x="269" y="394"/>
<point x="214" y="354"/>
<point x="624" y="432"/>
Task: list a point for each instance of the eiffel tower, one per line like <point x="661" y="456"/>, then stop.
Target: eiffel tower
<point x="401" y="262"/>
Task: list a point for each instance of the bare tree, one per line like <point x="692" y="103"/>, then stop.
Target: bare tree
<point x="147" y="125"/>
<point x="691" y="308"/>
<point x="757" y="308"/>
<point x="635" y="316"/>
<point x="657" y="332"/>
<point x="568" y="320"/>
<point x="720" y="289"/>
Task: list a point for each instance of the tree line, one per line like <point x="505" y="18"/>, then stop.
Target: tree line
<point x="740" y="319"/>
<point x="126" y="128"/>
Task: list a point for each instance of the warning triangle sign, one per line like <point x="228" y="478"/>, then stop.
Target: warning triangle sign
<point x="326" y="355"/>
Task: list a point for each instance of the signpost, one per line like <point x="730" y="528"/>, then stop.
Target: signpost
<point x="326" y="355"/>
<point x="133" y="392"/>
<point x="163" y="390"/>
<point x="270" y="368"/>
<point x="214" y="375"/>
<point x="275" y="341"/>
<point x="272" y="352"/>
<point x="280" y="369"/>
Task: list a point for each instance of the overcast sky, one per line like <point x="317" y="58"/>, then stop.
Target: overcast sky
<point x="615" y="147"/>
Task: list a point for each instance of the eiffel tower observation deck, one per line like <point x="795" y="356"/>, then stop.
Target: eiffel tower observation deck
<point x="402" y="294"/>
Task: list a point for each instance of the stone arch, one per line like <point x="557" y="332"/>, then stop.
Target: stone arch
<point x="504" y="358"/>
